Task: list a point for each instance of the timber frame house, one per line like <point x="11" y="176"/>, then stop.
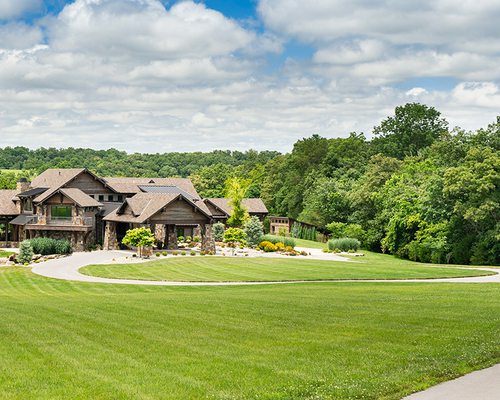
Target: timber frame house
<point x="85" y="209"/>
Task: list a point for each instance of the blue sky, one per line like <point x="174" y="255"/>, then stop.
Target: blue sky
<point x="151" y="75"/>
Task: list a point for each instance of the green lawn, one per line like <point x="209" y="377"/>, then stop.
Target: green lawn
<point x="227" y="269"/>
<point x="310" y="244"/>
<point x="5" y="254"/>
<point x="74" y="340"/>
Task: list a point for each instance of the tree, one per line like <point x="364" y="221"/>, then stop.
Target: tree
<point x="140" y="238"/>
<point x="218" y="231"/>
<point x="235" y="237"/>
<point x="210" y="181"/>
<point x="25" y="252"/>
<point x="413" y="127"/>
<point x="236" y="189"/>
<point x="254" y="230"/>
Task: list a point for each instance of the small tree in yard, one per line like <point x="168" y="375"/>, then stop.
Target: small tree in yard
<point x="254" y="230"/>
<point x="234" y="237"/>
<point x="236" y="189"/>
<point x="218" y="231"/>
<point x="140" y="238"/>
<point x="25" y="252"/>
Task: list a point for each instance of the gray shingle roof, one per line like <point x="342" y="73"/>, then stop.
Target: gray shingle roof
<point x="7" y="206"/>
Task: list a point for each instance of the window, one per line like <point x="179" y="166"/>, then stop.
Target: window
<point x="111" y="197"/>
<point x="28" y="205"/>
<point x="60" y="212"/>
<point x="120" y="198"/>
<point x="101" y="197"/>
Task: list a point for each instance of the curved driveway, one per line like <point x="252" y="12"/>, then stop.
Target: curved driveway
<point x="67" y="269"/>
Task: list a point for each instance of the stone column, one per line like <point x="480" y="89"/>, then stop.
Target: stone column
<point x="207" y="238"/>
<point x="160" y="234"/>
<point x="171" y="237"/>
<point x="110" y="239"/>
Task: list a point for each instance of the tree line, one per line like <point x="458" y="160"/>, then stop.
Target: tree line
<point x="417" y="189"/>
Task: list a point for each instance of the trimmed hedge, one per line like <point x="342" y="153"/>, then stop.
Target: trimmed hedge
<point x="344" y="244"/>
<point x="46" y="246"/>
<point x="287" y="241"/>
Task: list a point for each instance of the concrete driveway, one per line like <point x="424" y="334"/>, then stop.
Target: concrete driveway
<point x="67" y="269"/>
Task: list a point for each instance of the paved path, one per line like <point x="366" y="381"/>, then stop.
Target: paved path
<point x="478" y="385"/>
<point x="67" y="269"/>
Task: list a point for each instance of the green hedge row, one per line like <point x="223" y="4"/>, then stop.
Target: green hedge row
<point x="45" y="246"/>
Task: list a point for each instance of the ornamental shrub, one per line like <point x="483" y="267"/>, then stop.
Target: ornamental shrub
<point x="287" y="241"/>
<point x="25" y="252"/>
<point x="196" y="239"/>
<point x="234" y="237"/>
<point x="46" y="246"/>
<point x="188" y="238"/>
<point x="344" y="244"/>
<point x="218" y="231"/>
<point x="268" y="247"/>
<point x="280" y="246"/>
<point x="254" y="231"/>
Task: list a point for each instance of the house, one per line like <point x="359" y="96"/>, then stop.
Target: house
<point x="221" y="209"/>
<point x="77" y="205"/>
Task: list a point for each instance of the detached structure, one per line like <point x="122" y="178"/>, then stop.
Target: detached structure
<point x="77" y="205"/>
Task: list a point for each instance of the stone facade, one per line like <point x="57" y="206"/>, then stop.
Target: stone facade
<point x="160" y="234"/>
<point x="171" y="237"/>
<point x="110" y="239"/>
<point x="207" y="238"/>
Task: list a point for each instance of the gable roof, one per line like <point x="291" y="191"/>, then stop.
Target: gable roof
<point x="252" y="205"/>
<point x="55" y="177"/>
<point x="80" y="198"/>
<point x="7" y="206"/>
<point x="128" y="185"/>
<point x="143" y="206"/>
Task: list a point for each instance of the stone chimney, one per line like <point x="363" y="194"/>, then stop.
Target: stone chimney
<point x="23" y="185"/>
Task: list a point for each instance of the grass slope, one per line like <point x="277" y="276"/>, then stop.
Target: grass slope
<point x="325" y="341"/>
<point x="227" y="269"/>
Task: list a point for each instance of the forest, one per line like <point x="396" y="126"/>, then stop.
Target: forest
<point x="418" y="189"/>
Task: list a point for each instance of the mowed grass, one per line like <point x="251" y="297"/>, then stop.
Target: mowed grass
<point x="74" y="340"/>
<point x="234" y="269"/>
<point x="310" y="244"/>
<point x="5" y="254"/>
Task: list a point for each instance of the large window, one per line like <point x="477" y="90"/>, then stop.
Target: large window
<point x="61" y="212"/>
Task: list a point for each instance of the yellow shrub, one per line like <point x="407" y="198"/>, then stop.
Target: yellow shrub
<point x="267" y="246"/>
<point x="280" y="246"/>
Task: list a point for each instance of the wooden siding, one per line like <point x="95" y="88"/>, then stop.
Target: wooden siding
<point x="89" y="185"/>
<point x="180" y="212"/>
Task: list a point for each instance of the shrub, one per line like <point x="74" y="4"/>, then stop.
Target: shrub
<point x="344" y="244"/>
<point x="188" y="238"/>
<point x="234" y="237"/>
<point x="46" y="246"/>
<point x="280" y="246"/>
<point x="183" y="253"/>
<point x="202" y="253"/>
<point x="174" y="253"/>
<point x="268" y="247"/>
<point x="218" y="231"/>
<point x="287" y="241"/>
<point x="180" y="238"/>
<point x="25" y="252"/>
<point x="157" y="254"/>
<point x="254" y="231"/>
<point x="196" y="239"/>
<point x="164" y="253"/>
<point x="193" y="253"/>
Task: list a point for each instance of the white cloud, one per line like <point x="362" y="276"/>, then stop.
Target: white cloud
<point x="434" y="22"/>
<point x="15" y="8"/>
<point x="138" y="76"/>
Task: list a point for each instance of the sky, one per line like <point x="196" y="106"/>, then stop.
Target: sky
<point x="160" y="76"/>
